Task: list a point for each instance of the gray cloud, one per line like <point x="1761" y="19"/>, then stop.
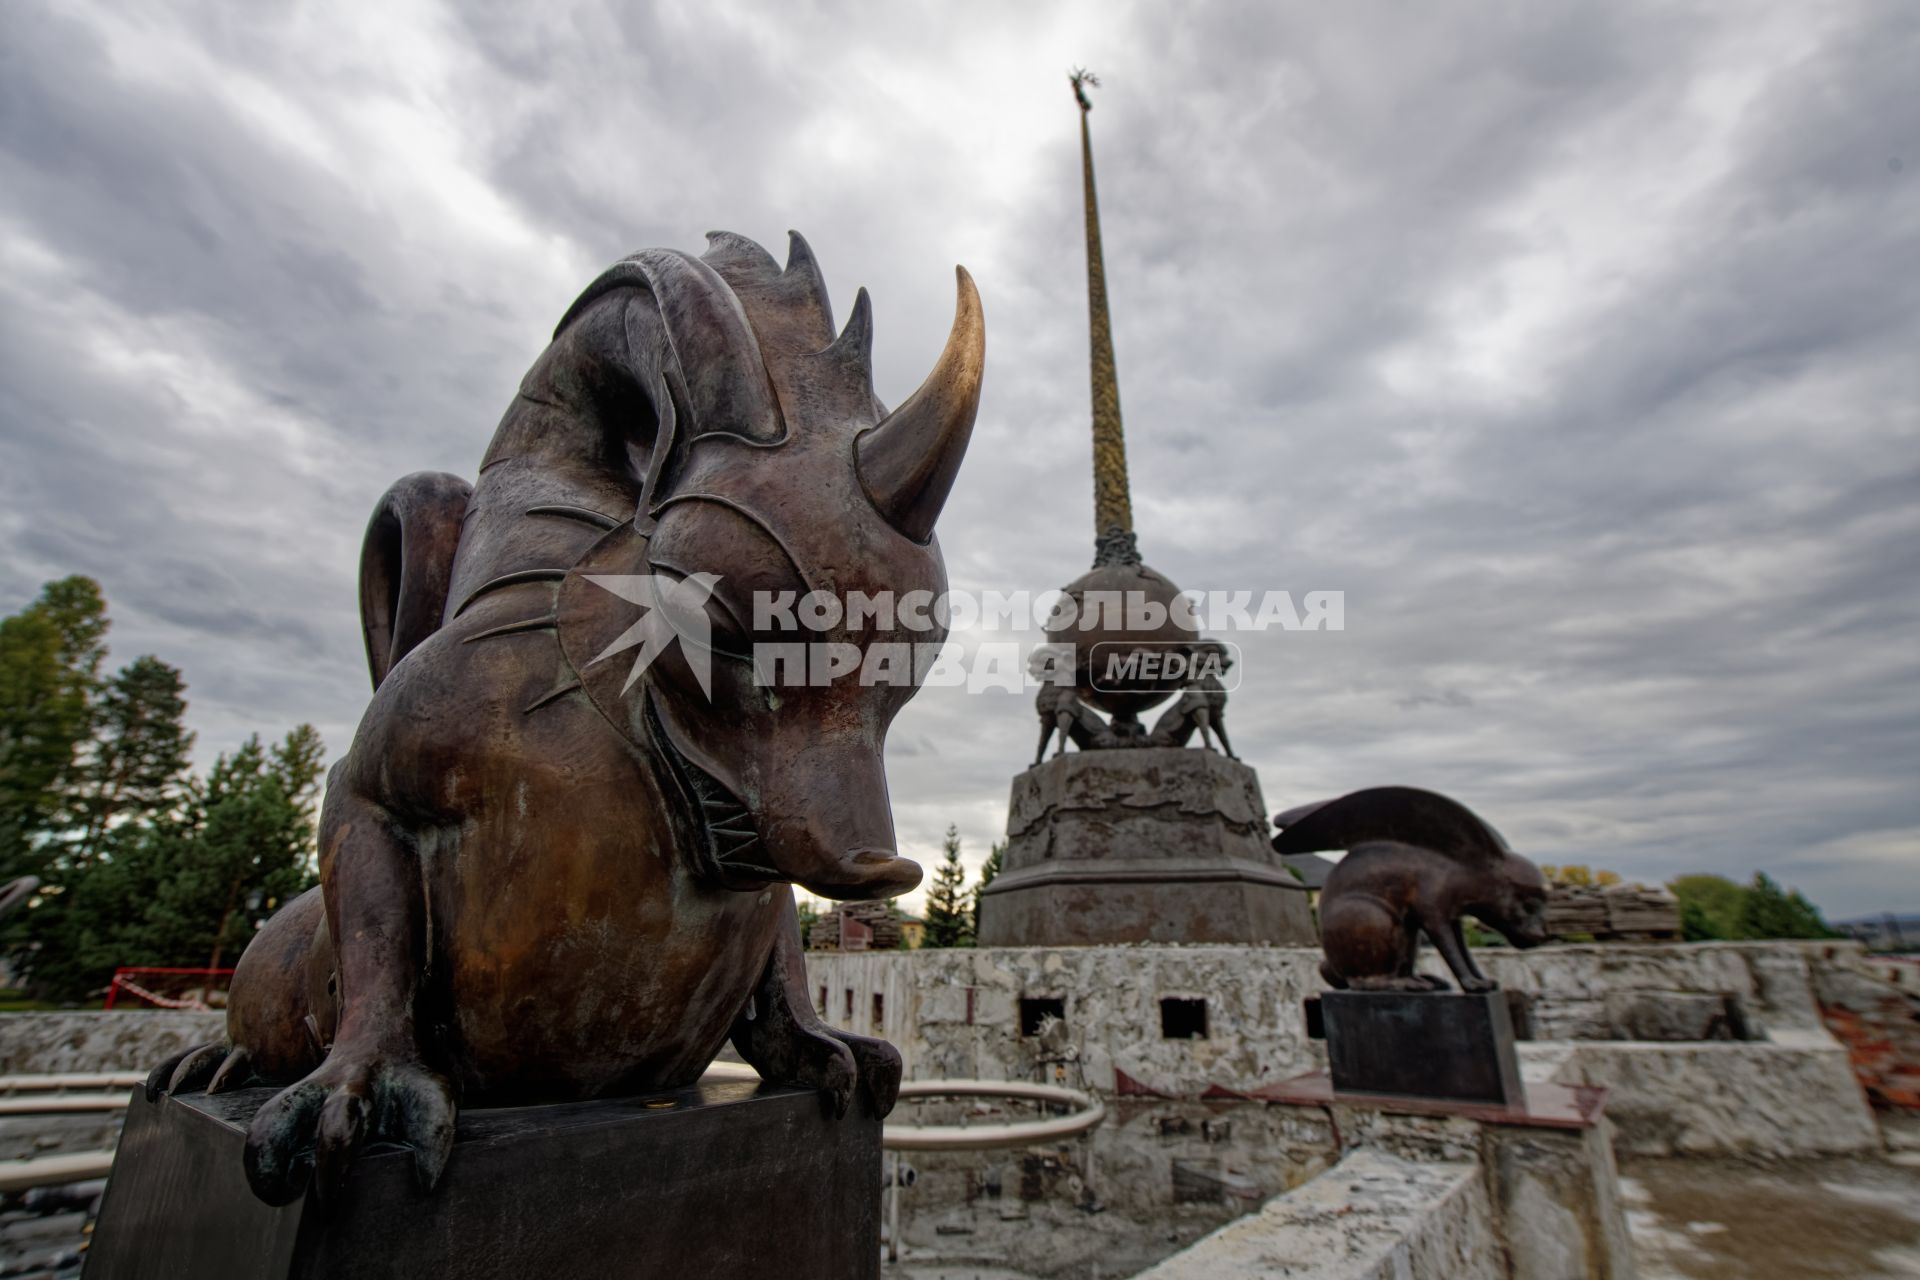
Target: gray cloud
<point x="1574" y="346"/>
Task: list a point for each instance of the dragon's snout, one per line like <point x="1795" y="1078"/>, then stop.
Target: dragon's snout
<point x="867" y="874"/>
<point x="813" y="812"/>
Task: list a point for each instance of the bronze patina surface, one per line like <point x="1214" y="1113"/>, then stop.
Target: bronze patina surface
<point x="1416" y="863"/>
<point x="547" y="874"/>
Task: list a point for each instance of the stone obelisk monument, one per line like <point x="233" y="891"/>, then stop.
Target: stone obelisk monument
<point x="1137" y="836"/>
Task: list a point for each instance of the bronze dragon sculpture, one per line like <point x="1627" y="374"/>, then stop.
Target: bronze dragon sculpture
<point x="1416" y="862"/>
<point x="547" y="873"/>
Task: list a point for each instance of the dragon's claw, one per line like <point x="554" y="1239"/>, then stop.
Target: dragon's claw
<point x="879" y="1067"/>
<point x="318" y="1125"/>
<point x="185" y="1072"/>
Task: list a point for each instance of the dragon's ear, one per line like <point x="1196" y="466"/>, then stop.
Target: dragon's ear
<point x="709" y="356"/>
<point x="663" y="455"/>
<point x="1404" y="814"/>
<point x="677" y="351"/>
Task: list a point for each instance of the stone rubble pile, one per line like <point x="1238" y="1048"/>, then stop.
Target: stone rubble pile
<point x="1615" y="913"/>
<point x="826" y="933"/>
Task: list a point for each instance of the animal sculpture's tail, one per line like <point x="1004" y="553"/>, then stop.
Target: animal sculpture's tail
<point x="406" y="564"/>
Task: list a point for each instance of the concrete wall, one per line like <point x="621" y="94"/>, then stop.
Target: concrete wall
<point x="1434" y="1199"/>
<point x="956" y="1013"/>
<point x="1793" y="1095"/>
<point x="95" y="1040"/>
<point x="1166" y="1170"/>
<point x="1372" y="1217"/>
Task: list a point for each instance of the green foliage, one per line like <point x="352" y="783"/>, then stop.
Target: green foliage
<point x="1714" y="908"/>
<point x="50" y="655"/>
<point x="1773" y="912"/>
<point x="949" y="917"/>
<point x="988" y="871"/>
<point x="140" y="758"/>
<point x="142" y="863"/>
<point x="1710" y="907"/>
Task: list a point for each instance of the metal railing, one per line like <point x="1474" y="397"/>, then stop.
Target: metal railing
<point x="1087" y="1112"/>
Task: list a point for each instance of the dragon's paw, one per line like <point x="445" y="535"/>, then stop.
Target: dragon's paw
<point x="878" y="1066"/>
<point x="186" y="1072"/>
<point x="1478" y="984"/>
<point x="317" y="1125"/>
<point x="1398" y="982"/>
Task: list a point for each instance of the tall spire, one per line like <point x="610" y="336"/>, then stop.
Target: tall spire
<point x="1112" y="506"/>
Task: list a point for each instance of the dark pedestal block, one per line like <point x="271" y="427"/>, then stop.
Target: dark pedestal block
<point x="734" y="1179"/>
<point x="1422" y="1044"/>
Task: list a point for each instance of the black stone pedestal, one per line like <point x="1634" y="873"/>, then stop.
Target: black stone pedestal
<point x="1422" y="1044"/>
<point x="732" y="1179"/>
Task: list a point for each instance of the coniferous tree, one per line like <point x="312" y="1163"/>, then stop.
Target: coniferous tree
<point x="1772" y="912"/>
<point x="140" y="863"/>
<point x="949" y="919"/>
<point x="189" y="888"/>
<point x="1714" y="908"/>
<point x="50" y="655"/>
<point x="138" y="766"/>
<point x="988" y="871"/>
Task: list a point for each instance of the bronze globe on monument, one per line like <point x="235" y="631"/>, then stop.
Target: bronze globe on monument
<point x="1137" y="833"/>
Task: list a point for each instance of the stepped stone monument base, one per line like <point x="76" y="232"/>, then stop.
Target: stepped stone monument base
<point x="728" y="1178"/>
<point x="1151" y="844"/>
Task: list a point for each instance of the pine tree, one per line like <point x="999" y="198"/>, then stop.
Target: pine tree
<point x="1771" y="912"/>
<point x="50" y="655"/>
<point x="988" y="871"/>
<point x="187" y="887"/>
<point x="949" y="921"/>
<point x="256" y="846"/>
<point x="138" y="766"/>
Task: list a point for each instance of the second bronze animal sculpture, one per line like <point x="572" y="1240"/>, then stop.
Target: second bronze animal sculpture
<point x="1416" y="863"/>
<point x="555" y="863"/>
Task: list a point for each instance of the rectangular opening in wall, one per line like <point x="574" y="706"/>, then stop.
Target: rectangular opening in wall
<point x="879" y="1012"/>
<point x="849" y="1014"/>
<point x="1036" y="1009"/>
<point x="1198" y="1182"/>
<point x="1183" y="1018"/>
<point x="820" y="1005"/>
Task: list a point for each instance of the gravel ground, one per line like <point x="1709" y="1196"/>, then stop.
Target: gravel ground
<point x="43" y="1233"/>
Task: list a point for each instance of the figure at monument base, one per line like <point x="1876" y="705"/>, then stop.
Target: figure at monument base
<point x="1152" y="844"/>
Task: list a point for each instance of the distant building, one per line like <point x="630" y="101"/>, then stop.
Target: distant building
<point x="862" y="926"/>
<point x="1885" y="932"/>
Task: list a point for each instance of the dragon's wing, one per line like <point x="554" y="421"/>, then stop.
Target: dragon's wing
<point x="1404" y="814"/>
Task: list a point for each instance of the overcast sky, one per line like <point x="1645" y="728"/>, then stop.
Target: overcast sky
<point x="1576" y="344"/>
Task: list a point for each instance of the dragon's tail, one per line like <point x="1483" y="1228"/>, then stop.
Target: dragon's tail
<point x="406" y="564"/>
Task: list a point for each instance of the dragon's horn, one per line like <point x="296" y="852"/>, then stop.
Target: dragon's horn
<point x="908" y="461"/>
